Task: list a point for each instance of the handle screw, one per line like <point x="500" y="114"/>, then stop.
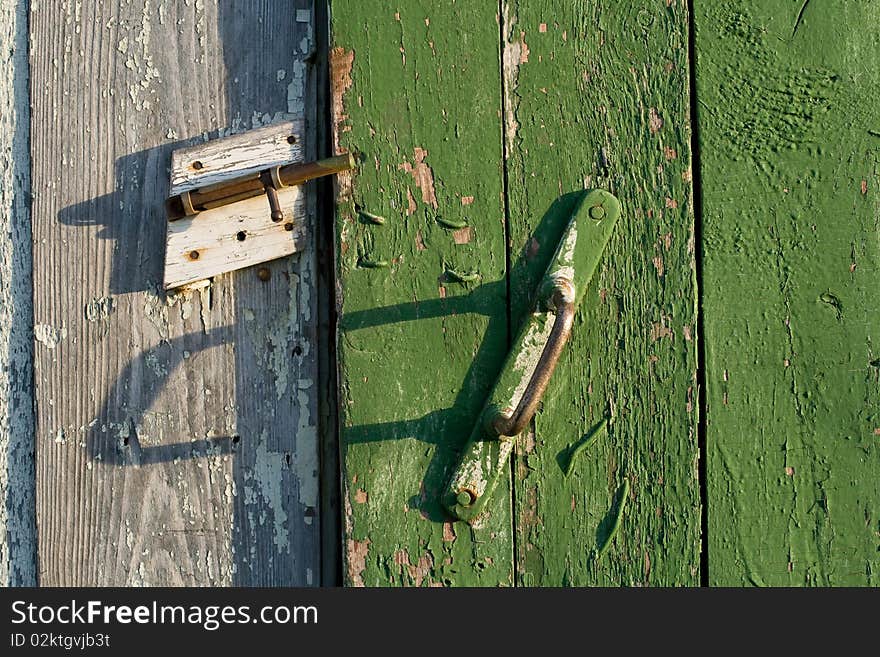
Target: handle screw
<point x="264" y="274"/>
<point x="597" y="212"/>
<point x="465" y="498"/>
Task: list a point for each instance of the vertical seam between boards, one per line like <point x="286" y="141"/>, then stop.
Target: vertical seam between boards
<point x="702" y="425"/>
<point x="507" y="244"/>
<point x="330" y="513"/>
<point x="33" y="524"/>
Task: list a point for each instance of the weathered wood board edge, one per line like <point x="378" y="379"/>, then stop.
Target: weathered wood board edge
<point x="17" y="511"/>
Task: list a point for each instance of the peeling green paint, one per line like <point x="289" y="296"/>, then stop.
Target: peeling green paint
<point x="791" y="198"/>
<point x="598" y="98"/>
<point x="416" y="93"/>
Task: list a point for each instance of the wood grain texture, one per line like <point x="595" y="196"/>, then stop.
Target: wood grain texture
<point x="790" y="157"/>
<point x="176" y="435"/>
<point x="416" y="93"/>
<point x="596" y="96"/>
<point x="17" y="529"/>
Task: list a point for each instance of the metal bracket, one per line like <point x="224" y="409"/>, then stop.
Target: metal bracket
<point x="236" y="202"/>
<point x="534" y="355"/>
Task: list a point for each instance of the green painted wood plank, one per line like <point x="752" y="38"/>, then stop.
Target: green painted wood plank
<point x="597" y="96"/>
<point x="790" y="155"/>
<point x="416" y="92"/>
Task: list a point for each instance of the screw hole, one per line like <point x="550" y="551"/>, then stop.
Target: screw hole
<point x="197" y="165"/>
<point x="288" y="227"/>
<point x="193" y="255"/>
<point x="297" y="350"/>
<point x="291" y="139"/>
<point x="241" y="236"/>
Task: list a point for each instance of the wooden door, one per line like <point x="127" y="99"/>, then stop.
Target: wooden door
<point x="474" y="130"/>
<point x="714" y="417"/>
<point x="743" y="447"/>
<point x="176" y="435"/>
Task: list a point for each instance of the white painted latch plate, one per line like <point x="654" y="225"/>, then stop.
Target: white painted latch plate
<point x="240" y="234"/>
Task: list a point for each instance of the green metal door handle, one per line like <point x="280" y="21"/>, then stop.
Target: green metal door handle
<point x="530" y="364"/>
<point x="511" y="422"/>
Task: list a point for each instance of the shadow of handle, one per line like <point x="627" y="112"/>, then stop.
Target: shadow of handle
<point x="128" y="450"/>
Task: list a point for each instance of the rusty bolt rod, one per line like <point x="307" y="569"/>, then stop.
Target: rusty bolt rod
<point x="239" y="189"/>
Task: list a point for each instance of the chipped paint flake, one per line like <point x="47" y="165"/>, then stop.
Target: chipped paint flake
<point x="515" y="53"/>
<point x="422" y="175"/>
<point x="530" y="349"/>
<point x="49" y="336"/>
<point x="99" y="309"/>
<point x="463" y="235"/>
<point x="305" y="457"/>
<point x="341" y="63"/>
<point x="565" y="259"/>
<point x="268" y="474"/>
<point x="655" y="122"/>
<point x="296" y="89"/>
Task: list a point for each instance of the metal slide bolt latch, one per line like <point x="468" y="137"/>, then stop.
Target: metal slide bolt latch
<point x="532" y="360"/>
<point x="268" y="182"/>
<point x="237" y="201"/>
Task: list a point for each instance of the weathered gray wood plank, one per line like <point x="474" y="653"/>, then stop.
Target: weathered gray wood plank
<point x="17" y="531"/>
<point x="176" y="436"/>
